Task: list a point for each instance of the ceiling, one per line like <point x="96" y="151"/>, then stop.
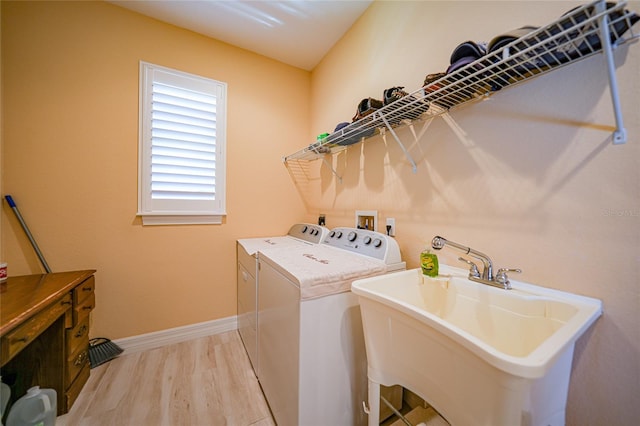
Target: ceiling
<point x="296" y="32"/>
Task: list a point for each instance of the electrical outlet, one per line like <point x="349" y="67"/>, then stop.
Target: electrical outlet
<point x="391" y="227"/>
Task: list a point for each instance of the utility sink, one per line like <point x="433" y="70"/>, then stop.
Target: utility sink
<point x="479" y="355"/>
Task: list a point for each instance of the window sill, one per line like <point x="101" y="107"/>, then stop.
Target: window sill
<point x="168" y="219"/>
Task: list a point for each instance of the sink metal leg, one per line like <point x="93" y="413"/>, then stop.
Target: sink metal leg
<point x="396" y="412"/>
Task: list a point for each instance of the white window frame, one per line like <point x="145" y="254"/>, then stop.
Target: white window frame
<point x="174" y="211"/>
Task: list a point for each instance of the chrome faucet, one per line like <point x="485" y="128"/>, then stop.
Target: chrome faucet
<point x="486" y="276"/>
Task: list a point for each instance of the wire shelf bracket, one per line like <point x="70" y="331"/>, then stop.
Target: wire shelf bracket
<point x="335" y="173"/>
<point x="620" y="134"/>
<point x="414" y="167"/>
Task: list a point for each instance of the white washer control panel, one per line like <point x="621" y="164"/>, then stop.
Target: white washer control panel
<point x="365" y="242"/>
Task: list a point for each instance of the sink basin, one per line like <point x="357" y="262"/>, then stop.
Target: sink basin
<point x="479" y="355"/>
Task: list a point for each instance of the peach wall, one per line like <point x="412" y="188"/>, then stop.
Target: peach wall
<point x="529" y="176"/>
<point x="70" y="109"/>
<point x="2" y="252"/>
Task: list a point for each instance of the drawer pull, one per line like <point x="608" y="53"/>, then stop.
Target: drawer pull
<point x="87" y="308"/>
<point x="65" y="302"/>
<point x="81" y="359"/>
<point x="81" y="331"/>
<point x="87" y="288"/>
<point x="24" y="339"/>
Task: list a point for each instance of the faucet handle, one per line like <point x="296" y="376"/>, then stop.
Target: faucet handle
<point x="473" y="272"/>
<point x="505" y="270"/>
<point x="502" y="278"/>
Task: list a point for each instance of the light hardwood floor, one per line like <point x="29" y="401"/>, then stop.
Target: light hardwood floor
<point x="202" y="382"/>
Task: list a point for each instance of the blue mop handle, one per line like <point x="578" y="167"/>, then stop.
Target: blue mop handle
<point x="13" y="206"/>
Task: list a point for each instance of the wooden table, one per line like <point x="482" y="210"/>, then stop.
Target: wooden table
<point x="44" y="333"/>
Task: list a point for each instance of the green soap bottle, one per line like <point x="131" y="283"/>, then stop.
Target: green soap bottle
<point x="429" y="263"/>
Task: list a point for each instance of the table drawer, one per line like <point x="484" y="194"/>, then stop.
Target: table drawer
<point x="82" y="310"/>
<point x="84" y="290"/>
<point x="76" y="362"/>
<point x="78" y="336"/>
<point x="15" y="340"/>
<point x="74" y="390"/>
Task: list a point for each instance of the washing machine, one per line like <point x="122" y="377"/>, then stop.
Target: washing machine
<point x="313" y="367"/>
<point x="300" y="234"/>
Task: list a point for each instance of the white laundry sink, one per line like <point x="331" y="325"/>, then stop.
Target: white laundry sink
<point x="480" y="355"/>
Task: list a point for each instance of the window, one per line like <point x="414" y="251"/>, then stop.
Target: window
<point x="181" y="147"/>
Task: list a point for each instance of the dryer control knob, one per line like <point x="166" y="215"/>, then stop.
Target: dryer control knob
<point x="367" y="240"/>
<point x="377" y="242"/>
<point x="352" y="236"/>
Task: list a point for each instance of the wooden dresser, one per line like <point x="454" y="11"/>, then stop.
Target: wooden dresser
<point x="44" y="333"/>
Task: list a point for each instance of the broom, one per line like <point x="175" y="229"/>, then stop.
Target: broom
<point x="25" y="228"/>
<point x="102" y="350"/>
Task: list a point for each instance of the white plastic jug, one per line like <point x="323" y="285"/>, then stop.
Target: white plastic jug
<point x="37" y="408"/>
<point x="5" y="395"/>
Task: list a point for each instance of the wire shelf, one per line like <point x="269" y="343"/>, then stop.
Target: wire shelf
<point x="575" y="36"/>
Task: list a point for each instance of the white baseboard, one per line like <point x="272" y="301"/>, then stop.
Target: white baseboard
<point x="170" y="336"/>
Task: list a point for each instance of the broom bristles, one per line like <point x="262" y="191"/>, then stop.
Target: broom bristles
<point x="102" y="350"/>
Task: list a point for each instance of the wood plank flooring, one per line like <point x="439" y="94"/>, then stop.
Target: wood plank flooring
<point x="202" y="382"/>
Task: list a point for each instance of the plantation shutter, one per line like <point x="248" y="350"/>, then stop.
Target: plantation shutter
<point x="183" y="144"/>
<point x="182" y="140"/>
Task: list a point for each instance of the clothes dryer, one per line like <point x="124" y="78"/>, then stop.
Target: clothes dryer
<point x="300" y="234"/>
